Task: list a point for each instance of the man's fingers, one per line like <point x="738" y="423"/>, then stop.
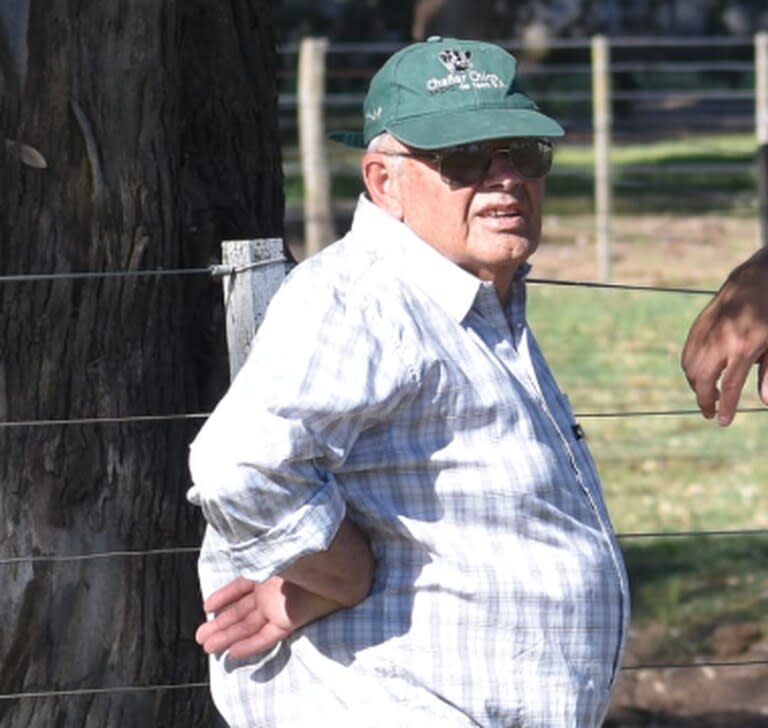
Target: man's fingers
<point x="240" y="612"/>
<point x="704" y="386"/>
<point x="267" y="638"/>
<point x="706" y="397"/>
<point x="238" y="616"/>
<point x="762" y="378"/>
<point x="227" y="595"/>
<point x="730" y="390"/>
<point x="214" y="638"/>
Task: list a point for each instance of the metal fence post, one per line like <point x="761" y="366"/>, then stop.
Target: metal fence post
<point x="318" y="216"/>
<point x="602" y="123"/>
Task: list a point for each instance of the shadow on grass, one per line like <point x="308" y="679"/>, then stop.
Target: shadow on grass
<point x="651" y="719"/>
<point x="690" y="586"/>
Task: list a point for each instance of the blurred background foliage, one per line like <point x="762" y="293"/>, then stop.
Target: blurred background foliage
<point x="403" y="20"/>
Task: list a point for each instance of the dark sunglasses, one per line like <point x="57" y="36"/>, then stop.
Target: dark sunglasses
<point x="470" y="163"/>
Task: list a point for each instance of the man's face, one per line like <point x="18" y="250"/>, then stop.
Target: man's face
<point x="488" y="228"/>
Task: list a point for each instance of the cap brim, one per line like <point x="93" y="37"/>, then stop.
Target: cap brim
<point x="449" y="129"/>
<point x="350" y="138"/>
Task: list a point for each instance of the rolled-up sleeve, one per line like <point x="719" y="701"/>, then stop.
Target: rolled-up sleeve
<point x="321" y="369"/>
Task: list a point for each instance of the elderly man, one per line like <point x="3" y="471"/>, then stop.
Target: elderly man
<point x="405" y="525"/>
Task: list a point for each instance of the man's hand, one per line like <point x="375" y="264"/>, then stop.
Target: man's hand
<point x="727" y="338"/>
<point x="252" y="618"/>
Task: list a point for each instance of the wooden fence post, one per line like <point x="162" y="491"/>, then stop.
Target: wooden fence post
<point x="761" y="128"/>
<point x="318" y="214"/>
<point x="252" y="271"/>
<point x="602" y="124"/>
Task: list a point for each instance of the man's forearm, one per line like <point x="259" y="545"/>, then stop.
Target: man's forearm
<point x="342" y="573"/>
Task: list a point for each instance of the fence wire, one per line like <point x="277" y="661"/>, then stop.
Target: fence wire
<point x="160" y="687"/>
<point x="219" y="271"/>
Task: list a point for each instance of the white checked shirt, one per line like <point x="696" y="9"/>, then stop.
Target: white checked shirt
<point x="388" y="384"/>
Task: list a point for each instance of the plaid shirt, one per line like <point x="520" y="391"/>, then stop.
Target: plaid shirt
<point x="389" y="385"/>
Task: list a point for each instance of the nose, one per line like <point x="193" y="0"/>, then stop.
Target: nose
<point x="502" y="171"/>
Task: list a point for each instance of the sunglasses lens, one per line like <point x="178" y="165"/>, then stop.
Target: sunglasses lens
<point x="532" y="158"/>
<point x="465" y="166"/>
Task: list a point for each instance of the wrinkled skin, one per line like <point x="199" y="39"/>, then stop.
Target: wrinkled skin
<point x="727" y="338"/>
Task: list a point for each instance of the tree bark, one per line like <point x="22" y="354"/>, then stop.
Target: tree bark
<point x="158" y="124"/>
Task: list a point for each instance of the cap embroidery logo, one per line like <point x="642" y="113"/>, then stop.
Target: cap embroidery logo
<point x="456" y="61"/>
<point x="461" y="74"/>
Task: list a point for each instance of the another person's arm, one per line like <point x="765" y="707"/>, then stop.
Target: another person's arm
<point x="253" y="617"/>
<point x="727" y="338"/>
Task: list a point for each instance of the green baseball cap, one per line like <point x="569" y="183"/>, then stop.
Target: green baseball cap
<point x="443" y="92"/>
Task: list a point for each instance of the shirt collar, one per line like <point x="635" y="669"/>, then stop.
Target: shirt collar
<point x="450" y="286"/>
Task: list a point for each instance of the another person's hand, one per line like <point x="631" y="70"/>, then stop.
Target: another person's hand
<point x="727" y="338"/>
<point x="252" y="618"/>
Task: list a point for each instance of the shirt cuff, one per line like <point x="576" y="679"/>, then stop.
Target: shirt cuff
<point x="309" y="529"/>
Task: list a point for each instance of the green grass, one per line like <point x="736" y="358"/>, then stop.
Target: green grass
<point x="704" y="149"/>
<point x="618" y="352"/>
<point x="704" y="583"/>
<point x="692" y="175"/>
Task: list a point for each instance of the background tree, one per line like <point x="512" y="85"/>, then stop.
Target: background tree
<point x="405" y="20"/>
<point x="137" y="135"/>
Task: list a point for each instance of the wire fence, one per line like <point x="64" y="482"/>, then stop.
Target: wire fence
<point x="660" y="85"/>
<point x="713" y="91"/>
<point x="186" y="551"/>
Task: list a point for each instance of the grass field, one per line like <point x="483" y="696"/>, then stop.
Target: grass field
<point x="617" y="352"/>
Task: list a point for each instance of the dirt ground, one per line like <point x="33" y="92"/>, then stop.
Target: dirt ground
<point x="694" y="252"/>
<point x="708" y="696"/>
<point x="678" y="251"/>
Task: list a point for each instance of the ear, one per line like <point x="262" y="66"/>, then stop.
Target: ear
<point x="382" y="181"/>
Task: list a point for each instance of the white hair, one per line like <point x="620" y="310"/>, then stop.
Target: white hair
<point x="386" y="142"/>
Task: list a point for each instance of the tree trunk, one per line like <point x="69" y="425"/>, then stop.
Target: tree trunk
<point x="157" y="121"/>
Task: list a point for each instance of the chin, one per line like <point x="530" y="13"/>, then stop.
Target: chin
<point x="521" y="249"/>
